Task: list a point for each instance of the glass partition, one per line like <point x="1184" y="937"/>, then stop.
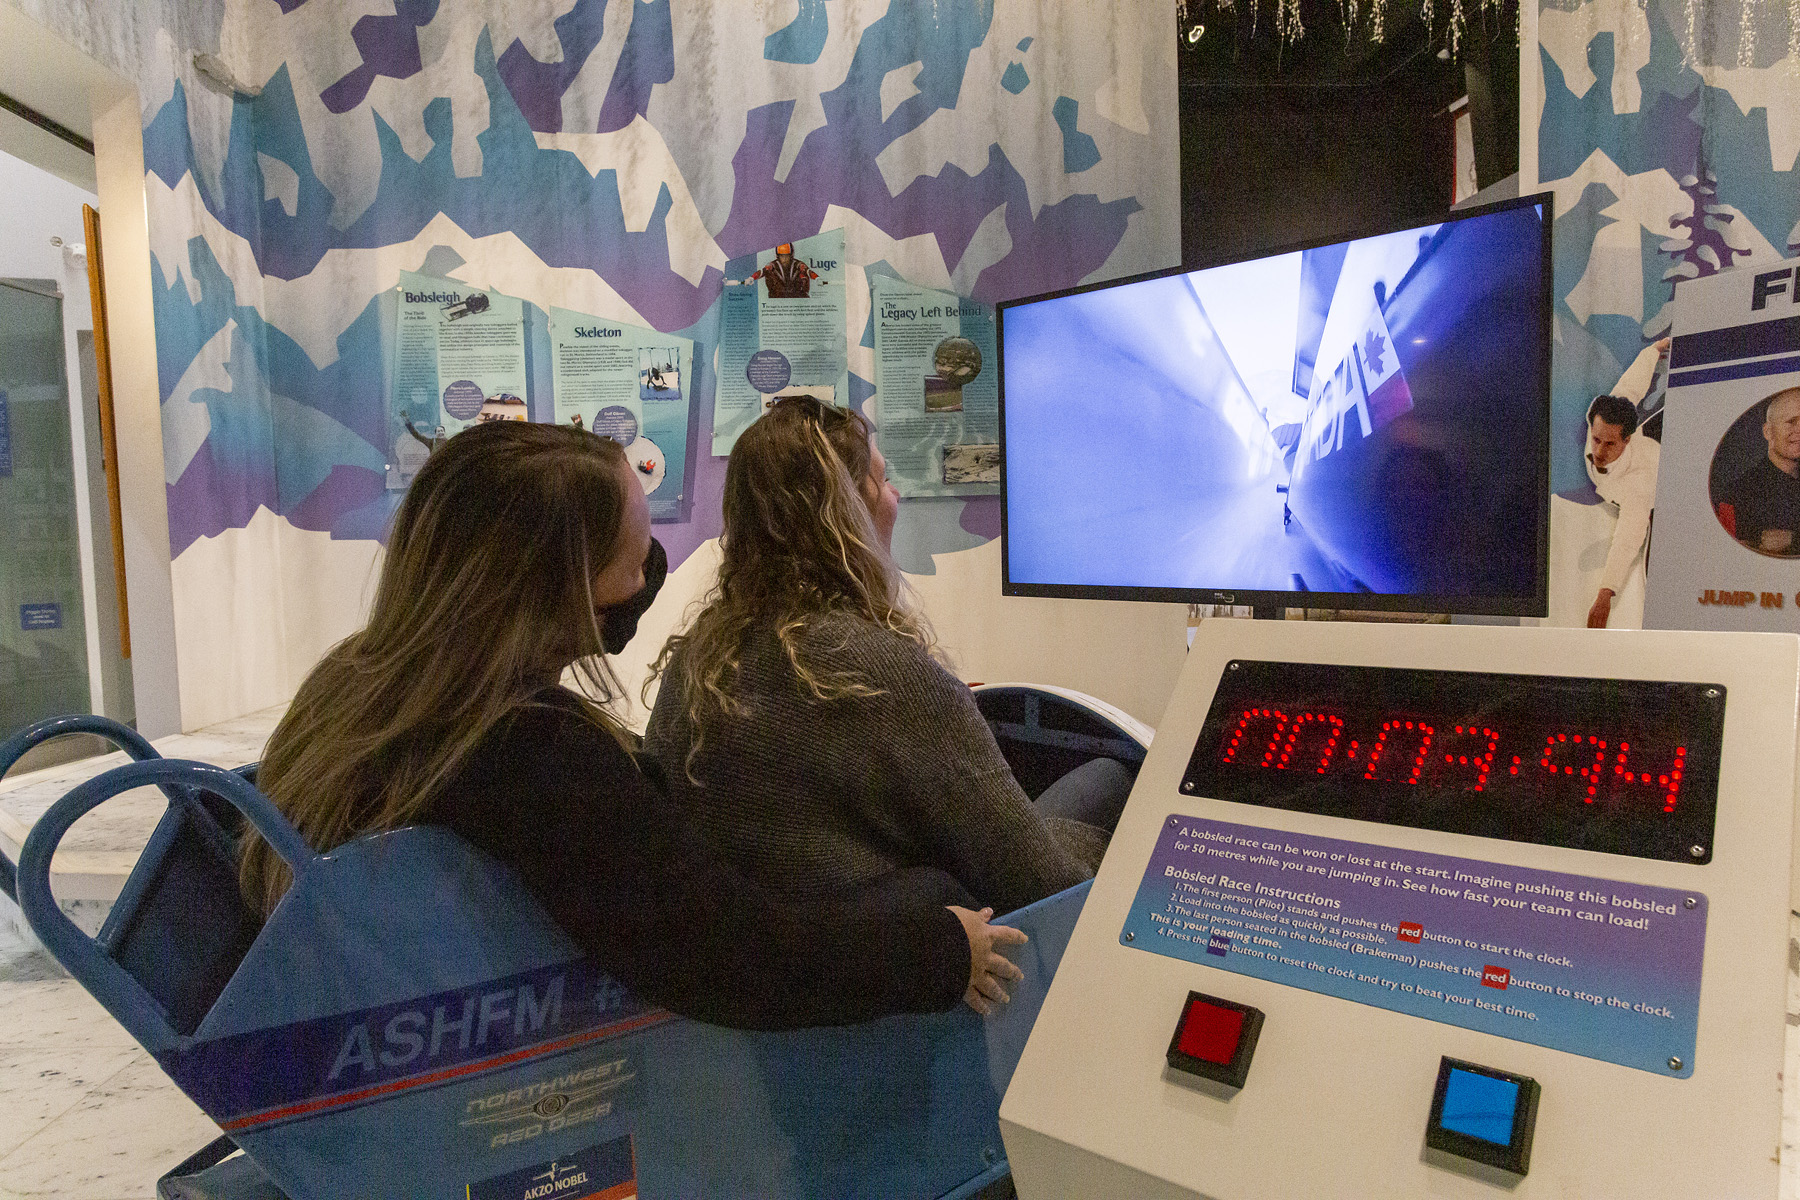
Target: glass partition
<point x="43" y="642"/>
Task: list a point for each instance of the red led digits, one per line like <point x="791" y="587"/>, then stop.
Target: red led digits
<point x="1600" y="765"/>
<point x="1563" y="754"/>
<point x="1401" y="730"/>
<point x="1469" y="755"/>
<point x="1256" y="716"/>
<point x="1322" y="728"/>
<point x="1667" y="782"/>
<point x="1457" y="758"/>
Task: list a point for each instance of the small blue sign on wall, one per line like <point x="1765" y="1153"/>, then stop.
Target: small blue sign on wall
<point x="5" y="439"/>
<point x="40" y="616"/>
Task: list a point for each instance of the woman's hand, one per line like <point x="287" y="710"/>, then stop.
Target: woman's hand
<point x="989" y="970"/>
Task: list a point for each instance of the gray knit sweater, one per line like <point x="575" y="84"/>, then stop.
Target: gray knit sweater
<point x="807" y="796"/>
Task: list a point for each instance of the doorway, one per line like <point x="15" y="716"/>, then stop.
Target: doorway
<point x="61" y="649"/>
<point x="43" y="643"/>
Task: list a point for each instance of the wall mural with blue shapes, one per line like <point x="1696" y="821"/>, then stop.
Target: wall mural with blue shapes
<point x="612" y="157"/>
<point x="1669" y="131"/>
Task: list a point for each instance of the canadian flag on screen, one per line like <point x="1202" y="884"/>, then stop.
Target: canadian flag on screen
<point x="1383" y="380"/>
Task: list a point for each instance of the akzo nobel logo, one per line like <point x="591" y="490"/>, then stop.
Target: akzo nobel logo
<point x="557" y="1181"/>
<point x="605" y="1171"/>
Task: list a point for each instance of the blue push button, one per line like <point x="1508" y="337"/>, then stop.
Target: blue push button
<point x="1484" y="1115"/>
<point x="1481" y="1106"/>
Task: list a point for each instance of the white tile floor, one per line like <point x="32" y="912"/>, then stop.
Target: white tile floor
<point x="87" y="1115"/>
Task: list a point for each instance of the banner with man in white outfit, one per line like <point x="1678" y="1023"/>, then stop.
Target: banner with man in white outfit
<point x="1727" y="539"/>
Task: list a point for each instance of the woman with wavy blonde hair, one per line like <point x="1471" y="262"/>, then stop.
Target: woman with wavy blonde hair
<point x="519" y="550"/>
<point x="804" y="718"/>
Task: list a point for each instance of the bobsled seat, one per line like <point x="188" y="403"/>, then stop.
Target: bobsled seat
<point x="409" y="1023"/>
<point x="1046" y="732"/>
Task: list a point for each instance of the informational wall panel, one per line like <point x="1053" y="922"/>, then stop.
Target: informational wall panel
<point x="459" y="358"/>
<point x="937" y="387"/>
<point x="630" y="384"/>
<point x="782" y="333"/>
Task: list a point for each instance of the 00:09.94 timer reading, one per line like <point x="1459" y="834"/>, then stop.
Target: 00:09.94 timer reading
<point x="1461" y="757"/>
<point x="1623" y="766"/>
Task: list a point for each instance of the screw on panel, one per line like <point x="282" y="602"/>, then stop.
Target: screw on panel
<point x="1711" y="693"/>
<point x="1697" y="851"/>
<point x="1131" y="937"/>
<point x="1188" y="786"/>
<point x="1690" y="902"/>
<point x="1231" y="666"/>
<point x="1172" y="821"/>
<point x="1674" y="1063"/>
<point x="989" y="1155"/>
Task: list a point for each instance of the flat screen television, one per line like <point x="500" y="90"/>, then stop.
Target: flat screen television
<point x="1358" y="424"/>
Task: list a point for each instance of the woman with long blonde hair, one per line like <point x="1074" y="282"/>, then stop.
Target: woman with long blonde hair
<point x="519" y="550"/>
<point x="804" y="717"/>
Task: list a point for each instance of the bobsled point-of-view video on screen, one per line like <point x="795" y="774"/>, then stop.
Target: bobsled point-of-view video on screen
<point x="1360" y="424"/>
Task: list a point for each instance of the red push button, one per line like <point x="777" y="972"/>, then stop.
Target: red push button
<point x="1211" y="1032"/>
<point x="1215" y="1039"/>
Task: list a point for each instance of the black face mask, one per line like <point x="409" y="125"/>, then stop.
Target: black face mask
<point x="619" y="625"/>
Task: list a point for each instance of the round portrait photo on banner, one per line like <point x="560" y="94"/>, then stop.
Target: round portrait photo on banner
<point x="1755" y="477"/>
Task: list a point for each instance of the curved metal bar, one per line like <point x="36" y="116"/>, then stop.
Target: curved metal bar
<point x="122" y="995"/>
<point x="15" y="747"/>
<point x="123" y="736"/>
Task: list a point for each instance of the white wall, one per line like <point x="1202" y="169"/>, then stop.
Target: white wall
<point x="34" y="207"/>
<point x="137" y="415"/>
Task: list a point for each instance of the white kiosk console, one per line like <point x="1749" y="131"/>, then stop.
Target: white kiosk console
<point x="1466" y="911"/>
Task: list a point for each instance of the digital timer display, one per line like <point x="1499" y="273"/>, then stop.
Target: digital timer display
<point x="1620" y="766"/>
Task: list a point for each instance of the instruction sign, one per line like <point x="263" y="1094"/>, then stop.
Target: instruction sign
<point x="1594" y="967"/>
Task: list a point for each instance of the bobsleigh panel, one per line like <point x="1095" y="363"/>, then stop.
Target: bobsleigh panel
<point x="412" y="1025"/>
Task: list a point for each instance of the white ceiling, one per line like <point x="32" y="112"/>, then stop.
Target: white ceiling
<point x="45" y="73"/>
